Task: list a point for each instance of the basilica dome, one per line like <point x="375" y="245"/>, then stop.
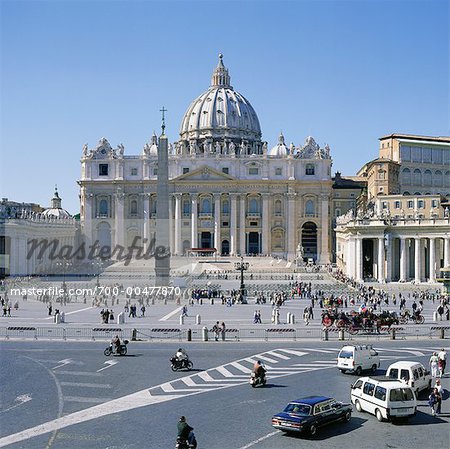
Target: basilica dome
<point x="220" y="113"/>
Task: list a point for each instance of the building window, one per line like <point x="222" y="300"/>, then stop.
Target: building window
<point x="398" y="204"/>
<point x="134" y="172"/>
<point x="278" y="171"/>
<point x="186" y="208"/>
<point x="278" y="207"/>
<point x="225" y="224"/>
<point x="381" y="174"/>
<point x="253" y="171"/>
<point x="253" y="223"/>
<point x="253" y="206"/>
<point x="103" y="169"/>
<point x="338" y="212"/>
<point x="309" y="207"/>
<point x="155" y="172"/>
<point x="103" y="208"/>
<point x="226" y="207"/>
<point x="309" y="169"/>
<point x="225" y="170"/>
<point x="206" y="206"/>
<point x="385" y="205"/>
<point x="410" y="204"/>
<point x="434" y="203"/>
<point x="421" y="204"/>
<point x="133" y="207"/>
<point x="406" y="176"/>
<point x="185" y="170"/>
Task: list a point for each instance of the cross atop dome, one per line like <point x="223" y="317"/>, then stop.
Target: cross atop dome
<point x="220" y="76"/>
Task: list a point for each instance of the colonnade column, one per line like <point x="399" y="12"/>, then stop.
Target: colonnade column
<point x="358" y="259"/>
<point x="178" y="240"/>
<point x="217" y="223"/>
<point x="88" y="218"/>
<point x="432" y="257"/>
<point x="194" y="236"/>
<point x="233" y="224"/>
<point x="171" y="225"/>
<point x="402" y="259"/>
<point x="265" y="224"/>
<point x="291" y="231"/>
<point x="242" y="236"/>
<point x="417" y="260"/>
<point x="447" y="252"/>
<point x="119" y="219"/>
<point x="145" y="230"/>
<point x="324" y="234"/>
<point x="381" y="275"/>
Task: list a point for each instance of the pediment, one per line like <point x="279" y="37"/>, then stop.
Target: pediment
<point x="205" y="173"/>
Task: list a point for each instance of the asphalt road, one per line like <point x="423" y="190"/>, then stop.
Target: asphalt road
<point x="68" y="395"/>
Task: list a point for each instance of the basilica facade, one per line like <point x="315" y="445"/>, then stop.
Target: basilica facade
<point x="228" y="190"/>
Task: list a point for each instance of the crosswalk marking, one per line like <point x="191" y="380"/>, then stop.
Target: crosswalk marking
<point x="276" y="354"/>
<point x="254" y="360"/>
<point x="267" y="359"/>
<point x="79" y="373"/>
<point x="240" y="367"/>
<point x="222" y="370"/>
<point x="84" y="385"/>
<point x="87" y="400"/>
<point x="292" y="351"/>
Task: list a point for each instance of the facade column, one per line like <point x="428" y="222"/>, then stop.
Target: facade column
<point x="119" y="220"/>
<point x="358" y="259"/>
<point x="233" y="224"/>
<point x="380" y="263"/>
<point x="217" y="224"/>
<point x="194" y="234"/>
<point x="403" y="257"/>
<point x="389" y="242"/>
<point x="171" y="225"/>
<point x="145" y="222"/>
<point x="417" y="260"/>
<point x="178" y="239"/>
<point x="242" y="226"/>
<point x="447" y="252"/>
<point x="291" y="231"/>
<point x="432" y="255"/>
<point x="265" y="224"/>
<point x="324" y="234"/>
<point x="88" y="200"/>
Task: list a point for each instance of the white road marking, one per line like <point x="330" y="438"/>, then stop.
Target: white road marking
<point x="109" y="363"/>
<point x="238" y="366"/>
<point x="62" y="363"/>
<point x="254" y="360"/>
<point x="22" y="399"/>
<point x="416" y="353"/>
<point x="292" y="351"/>
<point x="265" y="437"/>
<point x="78" y="373"/>
<point x="84" y="385"/>
<point x="267" y="359"/>
<point x="77" y="311"/>
<point x="87" y="400"/>
<point x="222" y="370"/>
<point x="280" y="356"/>
<point x="171" y="314"/>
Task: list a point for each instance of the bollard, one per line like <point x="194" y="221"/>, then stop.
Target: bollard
<point x="201" y="301"/>
<point x="288" y="318"/>
<point x="435" y="316"/>
<point x="277" y="319"/>
<point x="165" y="300"/>
<point x="292" y="318"/>
<point x="205" y="333"/>
<point x="153" y="301"/>
<point x="341" y="334"/>
<point x="325" y="334"/>
<point x="121" y="318"/>
<point x="133" y="335"/>
<point x="181" y="320"/>
<point x="198" y="319"/>
<point x="211" y="301"/>
<point x="392" y="334"/>
<point x="63" y="317"/>
<point x="57" y="318"/>
<point x="189" y="335"/>
<point x="442" y="333"/>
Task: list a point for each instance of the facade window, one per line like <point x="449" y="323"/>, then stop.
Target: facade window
<point x="253" y="223"/>
<point x="427" y="178"/>
<point x="309" y="207"/>
<point x="225" y="170"/>
<point x="309" y="169"/>
<point x="338" y="212"/>
<point x="434" y="203"/>
<point x="103" y="169"/>
<point x="410" y="204"/>
<point x="103" y="208"/>
<point x="437" y="179"/>
<point x="437" y="156"/>
<point x="421" y="204"/>
<point x="405" y="153"/>
<point x="385" y="205"/>
<point x="133" y="207"/>
<point x="406" y="176"/>
<point x="253" y="171"/>
<point x="185" y="170"/>
<point x="426" y="155"/>
<point x="206" y="206"/>
<point x="381" y="175"/>
<point x="225" y="224"/>
<point x="398" y="204"/>
<point x="417" y="177"/>
<point x="253" y="206"/>
<point x="186" y="207"/>
<point x="416" y="154"/>
<point x="278" y="171"/>
<point x="155" y="171"/>
<point x="278" y="207"/>
<point x="134" y="171"/>
<point x="226" y="207"/>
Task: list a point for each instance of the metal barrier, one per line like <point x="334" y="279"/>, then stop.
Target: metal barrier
<point x="165" y="333"/>
<point x="287" y="333"/>
<point x="51" y="332"/>
<point x="248" y="334"/>
<point x="106" y="333"/>
<point x="20" y="331"/>
<point x="81" y="333"/>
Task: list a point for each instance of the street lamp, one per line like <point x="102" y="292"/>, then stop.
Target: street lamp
<point x="242" y="266"/>
<point x="64" y="263"/>
<point x="97" y="264"/>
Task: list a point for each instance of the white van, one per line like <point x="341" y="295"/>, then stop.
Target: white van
<point x="356" y="359"/>
<point x="383" y="397"/>
<point x="413" y="374"/>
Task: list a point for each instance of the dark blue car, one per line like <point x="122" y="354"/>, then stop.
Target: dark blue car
<point x="310" y="413"/>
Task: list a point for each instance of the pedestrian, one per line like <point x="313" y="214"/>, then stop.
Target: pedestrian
<point x="50" y="308"/>
<point x="442" y="362"/>
<point x="432" y="401"/>
<point x="223" y="330"/>
<point x="143" y="310"/>
<point x="216" y="330"/>
<point x="306" y="316"/>
<point x="255" y="317"/>
<point x="434" y="364"/>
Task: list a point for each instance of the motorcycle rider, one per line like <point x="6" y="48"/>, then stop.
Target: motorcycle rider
<point x="182" y="356"/>
<point x="115" y="344"/>
<point x="185" y="431"/>
<point x="259" y="370"/>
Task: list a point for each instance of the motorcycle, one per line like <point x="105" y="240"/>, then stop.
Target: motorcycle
<point x="184" y="444"/>
<point x="255" y="380"/>
<point x="121" y="350"/>
<point x="176" y="364"/>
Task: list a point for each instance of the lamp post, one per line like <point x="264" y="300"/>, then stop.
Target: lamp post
<point x="64" y="263"/>
<point x="97" y="264"/>
<point x="242" y="266"/>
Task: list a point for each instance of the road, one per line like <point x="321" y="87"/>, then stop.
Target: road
<point x="64" y="395"/>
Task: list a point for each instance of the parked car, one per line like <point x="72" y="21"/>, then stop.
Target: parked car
<point x="383" y="397"/>
<point x="413" y="374"/>
<point x="357" y="359"/>
<point x="310" y="413"/>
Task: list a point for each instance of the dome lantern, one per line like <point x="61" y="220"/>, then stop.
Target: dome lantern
<point x="220" y="76"/>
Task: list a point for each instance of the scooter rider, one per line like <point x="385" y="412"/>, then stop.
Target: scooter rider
<point x="185" y="430"/>
<point x="115" y="344"/>
<point x="181" y="356"/>
<point x="259" y="369"/>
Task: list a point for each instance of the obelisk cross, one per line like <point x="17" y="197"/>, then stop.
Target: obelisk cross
<point x="163" y="126"/>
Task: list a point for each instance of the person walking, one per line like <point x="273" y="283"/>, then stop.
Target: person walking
<point x="442" y="362"/>
<point x="434" y="364"/>
<point x="432" y="401"/>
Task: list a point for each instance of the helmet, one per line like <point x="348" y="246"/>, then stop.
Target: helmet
<point x="259" y="362"/>
<point x="180" y="349"/>
<point x="183" y="418"/>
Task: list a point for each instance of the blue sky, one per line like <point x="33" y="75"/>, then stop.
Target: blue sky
<point x="345" y="72"/>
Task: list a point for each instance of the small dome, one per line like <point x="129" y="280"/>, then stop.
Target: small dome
<point x="56" y="211"/>
<point x="280" y="149"/>
<point x="154" y="145"/>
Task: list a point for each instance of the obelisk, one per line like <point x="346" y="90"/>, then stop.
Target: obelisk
<point x="162" y="264"/>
